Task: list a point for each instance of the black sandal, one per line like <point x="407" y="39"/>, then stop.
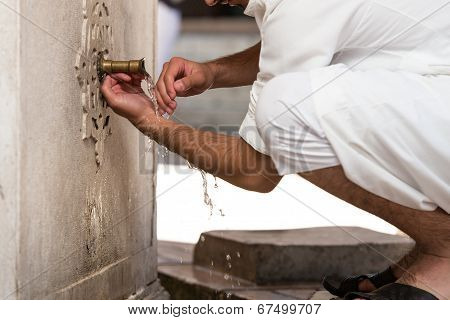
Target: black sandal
<point x="340" y="287"/>
<point x="393" y="291"/>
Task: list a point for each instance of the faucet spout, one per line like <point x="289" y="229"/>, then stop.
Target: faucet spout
<point x="105" y="67"/>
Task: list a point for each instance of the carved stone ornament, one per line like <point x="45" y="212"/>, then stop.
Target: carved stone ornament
<point x="96" y="39"/>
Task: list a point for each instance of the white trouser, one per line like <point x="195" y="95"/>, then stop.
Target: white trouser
<point x="287" y="122"/>
<point x="387" y="129"/>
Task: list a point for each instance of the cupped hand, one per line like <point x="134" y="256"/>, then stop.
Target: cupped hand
<point x="125" y="96"/>
<point x="182" y="78"/>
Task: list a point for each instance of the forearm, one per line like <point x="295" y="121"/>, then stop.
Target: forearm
<point x="237" y="70"/>
<point x="227" y="157"/>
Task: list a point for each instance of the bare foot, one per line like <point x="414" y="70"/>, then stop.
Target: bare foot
<point x="397" y="269"/>
<point x="430" y="273"/>
<point x="366" y="286"/>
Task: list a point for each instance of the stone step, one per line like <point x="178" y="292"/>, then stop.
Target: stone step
<point x="190" y="282"/>
<point x="286" y="256"/>
<point x="174" y="253"/>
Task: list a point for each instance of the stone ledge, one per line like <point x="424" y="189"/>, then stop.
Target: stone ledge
<point x="189" y="282"/>
<point x="286" y="256"/>
<point x="155" y="291"/>
<point x="175" y="253"/>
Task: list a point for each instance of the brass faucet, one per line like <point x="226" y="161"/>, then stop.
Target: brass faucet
<point x="105" y="67"/>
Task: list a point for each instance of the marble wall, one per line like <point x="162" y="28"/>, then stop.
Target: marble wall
<point x="77" y="211"/>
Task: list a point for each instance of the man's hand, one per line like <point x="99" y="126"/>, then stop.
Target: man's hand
<point x="182" y="78"/>
<point x="227" y="157"/>
<point x="125" y="96"/>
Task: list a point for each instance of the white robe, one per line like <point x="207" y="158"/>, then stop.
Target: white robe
<point x="380" y="78"/>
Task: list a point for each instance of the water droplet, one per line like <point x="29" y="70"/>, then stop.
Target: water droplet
<point x="228" y="295"/>
<point x="206" y="198"/>
<point x="226" y="276"/>
<point x="228" y="257"/>
<point x="165" y="152"/>
<point x="202" y="238"/>
<point x="238" y="254"/>
<point x="229" y="265"/>
<point x="152" y="95"/>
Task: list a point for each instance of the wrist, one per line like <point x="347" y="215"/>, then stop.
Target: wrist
<point x="214" y="69"/>
<point x="146" y="123"/>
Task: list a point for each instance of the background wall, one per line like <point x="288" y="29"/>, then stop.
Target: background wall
<point x="9" y="135"/>
<point x="221" y="37"/>
<point x="72" y="228"/>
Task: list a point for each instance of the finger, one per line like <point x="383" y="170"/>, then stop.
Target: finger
<point x="121" y="77"/>
<point x="160" y="109"/>
<point x="173" y="105"/>
<point x="163" y="100"/>
<point x="161" y="88"/>
<point x="109" y="81"/>
<point x="158" y="96"/>
<point x="107" y="88"/>
<point x="162" y="106"/>
<point x="187" y="83"/>
<point x="175" y="69"/>
<point x="159" y="99"/>
<point x="137" y="78"/>
<point x="168" y="111"/>
<point x="126" y="83"/>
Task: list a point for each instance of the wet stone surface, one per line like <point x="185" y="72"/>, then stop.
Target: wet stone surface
<point x="183" y="280"/>
<point x="287" y="256"/>
<point x="273" y="265"/>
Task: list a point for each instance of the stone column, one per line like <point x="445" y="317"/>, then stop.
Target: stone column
<point x="77" y="192"/>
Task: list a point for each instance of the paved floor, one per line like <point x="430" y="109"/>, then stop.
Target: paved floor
<point x="184" y="280"/>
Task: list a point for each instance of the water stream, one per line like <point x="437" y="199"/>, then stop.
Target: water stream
<point x="206" y="198"/>
<point x="152" y="96"/>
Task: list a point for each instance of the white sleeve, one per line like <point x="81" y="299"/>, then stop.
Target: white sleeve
<point x="301" y="35"/>
<point x="298" y="35"/>
<point x="248" y="130"/>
